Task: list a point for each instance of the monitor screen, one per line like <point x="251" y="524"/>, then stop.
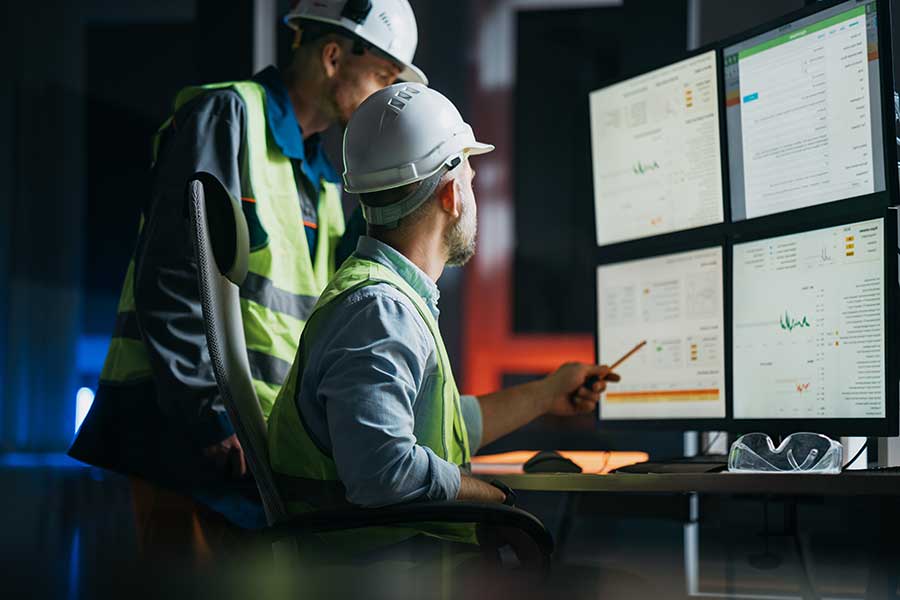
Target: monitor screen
<point x="675" y="302"/>
<point x="809" y="333"/>
<point x="657" y="153"/>
<point x="803" y="113"/>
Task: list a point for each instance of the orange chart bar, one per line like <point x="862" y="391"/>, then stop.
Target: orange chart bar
<point x="710" y="395"/>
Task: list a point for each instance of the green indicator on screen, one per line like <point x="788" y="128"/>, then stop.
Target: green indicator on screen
<point x="788" y="323"/>
<point x="800" y="33"/>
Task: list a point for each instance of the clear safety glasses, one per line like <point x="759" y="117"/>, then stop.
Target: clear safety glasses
<point x="798" y="453"/>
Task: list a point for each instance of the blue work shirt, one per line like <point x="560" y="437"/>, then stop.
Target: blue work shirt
<point x="308" y="154"/>
<point x="365" y="385"/>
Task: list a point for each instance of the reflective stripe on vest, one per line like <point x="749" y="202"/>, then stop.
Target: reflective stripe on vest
<point x="283" y="282"/>
<point x="293" y="454"/>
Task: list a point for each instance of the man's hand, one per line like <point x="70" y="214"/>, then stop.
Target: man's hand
<point x="566" y="394"/>
<point x="228" y="457"/>
<point x="558" y="394"/>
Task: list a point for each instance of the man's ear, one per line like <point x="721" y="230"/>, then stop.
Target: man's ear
<point x="450" y="198"/>
<point x="332" y="53"/>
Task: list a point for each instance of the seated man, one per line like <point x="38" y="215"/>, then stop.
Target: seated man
<point x="370" y="413"/>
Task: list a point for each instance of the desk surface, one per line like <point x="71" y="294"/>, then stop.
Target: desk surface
<point x="846" y="484"/>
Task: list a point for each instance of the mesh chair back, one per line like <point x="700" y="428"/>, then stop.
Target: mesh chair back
<point x="221" y="246"/>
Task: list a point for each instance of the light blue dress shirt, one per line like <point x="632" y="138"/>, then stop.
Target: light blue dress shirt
<point x="363" y="389"/>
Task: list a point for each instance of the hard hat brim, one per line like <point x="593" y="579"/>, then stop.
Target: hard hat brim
<point x="479" y="148"/>
<point x="411" y="73"/>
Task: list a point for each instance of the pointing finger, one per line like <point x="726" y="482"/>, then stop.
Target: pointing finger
<point x="600" y="371"/>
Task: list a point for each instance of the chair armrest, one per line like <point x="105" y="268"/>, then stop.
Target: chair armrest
<point x="493" y="515"/>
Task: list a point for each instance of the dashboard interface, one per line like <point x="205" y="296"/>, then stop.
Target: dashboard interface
<point x="803" y="113"/>
<point x="656" y="152"/>
<point x="675" y="302"/>
<point x="809" y="333"/>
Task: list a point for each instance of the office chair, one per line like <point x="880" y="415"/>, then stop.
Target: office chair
<point x="221" y="245"/>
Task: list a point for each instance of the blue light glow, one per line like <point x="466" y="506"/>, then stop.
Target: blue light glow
<point x="91" y="353"/>
<point x="83" y="401"/>
<point x="75" y="564"/>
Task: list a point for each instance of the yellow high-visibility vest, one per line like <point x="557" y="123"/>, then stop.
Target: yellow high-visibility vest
<point x="283" y="282"/>
<point x="295" y="456"/>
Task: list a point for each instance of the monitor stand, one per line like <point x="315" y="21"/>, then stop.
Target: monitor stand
<point x="883" y="456"/>
<point x="889" y="452"/>
<point x="691" y="443"/>
<point x="704" y="447"/>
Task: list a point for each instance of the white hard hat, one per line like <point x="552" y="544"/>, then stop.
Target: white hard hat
<point x="403" y="134"/>
<point x="387" y="25"/>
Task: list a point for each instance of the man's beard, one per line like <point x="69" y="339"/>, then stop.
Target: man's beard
<point x="460" y="238"/>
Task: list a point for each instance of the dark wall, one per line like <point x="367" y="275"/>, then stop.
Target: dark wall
<point x="562" y="55"/>
<point x="128" y="95"/>
<point x="9" y="42"/>
<point x="43" y="202"/>
<point x="125" y="106"/>
<point x="719" y="20"/>
<point x="89" y="83"/>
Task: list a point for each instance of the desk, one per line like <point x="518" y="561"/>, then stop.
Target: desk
<point x="874" y="518"/>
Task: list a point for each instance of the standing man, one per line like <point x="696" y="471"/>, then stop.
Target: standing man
<point x="157" y="413"/>
<point x="370" y="413"/>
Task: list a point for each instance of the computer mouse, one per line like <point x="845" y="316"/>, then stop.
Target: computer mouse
<point x="549" y="461"/>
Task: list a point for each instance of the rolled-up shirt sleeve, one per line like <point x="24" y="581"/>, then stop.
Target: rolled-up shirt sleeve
<point x="371" y="374"/>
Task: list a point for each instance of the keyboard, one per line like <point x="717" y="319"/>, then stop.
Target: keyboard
<point x="678" y="466"/>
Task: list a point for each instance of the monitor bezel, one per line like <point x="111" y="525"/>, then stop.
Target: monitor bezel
<point x="659" y="248"/>
<point x="703" y="230"/>
<point x="882" y="426"/>
<point x="864" y="203"/>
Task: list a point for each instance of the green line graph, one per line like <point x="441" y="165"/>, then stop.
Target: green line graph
<point x="789" y="323"/>
<point x="642" y="168"/>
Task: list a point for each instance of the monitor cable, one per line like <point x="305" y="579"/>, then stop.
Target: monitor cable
<point x="710" y="443"/>
<point x="856" y="456"/>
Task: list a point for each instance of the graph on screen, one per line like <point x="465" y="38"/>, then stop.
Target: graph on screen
<point x="656" y="153"/>
<point x="803" y="108"/>
<point x="675" y="303"/>
<point x="789" y="323"/>
<point x="809" y="337"/>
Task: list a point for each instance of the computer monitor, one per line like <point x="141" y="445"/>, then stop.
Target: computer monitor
<point x="805" y="112"/>
<point x="675" y="302"/>
<point x="657" y="152"/>
<point x="812" y="330"/>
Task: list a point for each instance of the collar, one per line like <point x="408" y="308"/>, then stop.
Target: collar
<point x="372" y="249"/>
<point x="287" y="131"/>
